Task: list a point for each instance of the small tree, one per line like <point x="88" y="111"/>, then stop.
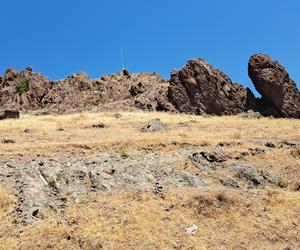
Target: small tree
<point x="23" y="87"/>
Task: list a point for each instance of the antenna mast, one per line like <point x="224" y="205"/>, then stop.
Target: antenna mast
<point x="122" y="58"/>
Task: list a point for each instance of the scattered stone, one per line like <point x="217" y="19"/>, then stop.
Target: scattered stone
<point x="270" y="145"/>
<point x="35" y="212"/>
<point x="158" y="189"/>
<point x="118" y="116"/>
<point x="110" y="171"/>
<point x="27" y="131"/>
<point x="60" y="129"/>
<point x="154" y="125"/>
<point x="99" y="125"/>
<point x="43" y="113"/>
<point x="7" y="141"/>
<point x="10" y="114"/>
<point x="256" y="151"/>
<point x="289" y="144"/>
<point x="250" y="114"/>
<point x="214" y="156"/>
<point x="240" y="156"/>
<point x="191" y="230"/>
<point x="224" y="144"/>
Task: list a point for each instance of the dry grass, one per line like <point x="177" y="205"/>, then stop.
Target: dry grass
<point x="133" y="219"/>
<point x="124" y="133"/>
<point x="7" y="229"/>
<point x="226" y="219"/>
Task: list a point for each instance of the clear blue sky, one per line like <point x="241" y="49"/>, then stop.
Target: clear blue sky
<point x="61" y="37"/>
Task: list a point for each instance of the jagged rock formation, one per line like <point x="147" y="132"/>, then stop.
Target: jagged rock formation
<point x="12" y="98"/>
<point x="198" y="88"/>
<point x="79" y="92"/>
<point x="280" y="96"/>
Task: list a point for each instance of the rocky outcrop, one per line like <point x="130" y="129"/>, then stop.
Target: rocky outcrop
<point x="23" y="90"/>
<point x="198" y="88"/>
<point x="280" y="96"/>
<point x="26" y="90"/>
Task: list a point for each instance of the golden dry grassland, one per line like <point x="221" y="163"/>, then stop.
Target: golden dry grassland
<point x="259" y="218"/>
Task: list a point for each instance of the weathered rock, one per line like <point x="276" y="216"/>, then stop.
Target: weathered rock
<point x="12" y="98"/>
<point x="10" y="114"/>
<point x="250" y="114"/>
<point x="227" y="181"/>
<point x="270" y="145"/>
<point x="250" y="173"/>
<point x="191" y="230"/>
<point x="273" y="82"/>
<point x="201" y="163"/>
<point x="117" y="115"/>
<point x="99" y="125"/>
<point x="214" y="156"/>
<point x="137" y="89"/>
<point x="198" y="88"/>
<point x="79" y="92"/>
<point x="154" y="125"/>
<point x="7" y="141"/>
<point x="28" y="68"/>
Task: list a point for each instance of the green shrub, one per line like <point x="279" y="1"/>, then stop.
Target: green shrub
<point x="124" y="152"/>
<point x="23" y="87"/>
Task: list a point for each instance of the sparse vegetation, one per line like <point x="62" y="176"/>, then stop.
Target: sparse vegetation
<point x="23" y="86"/>
<point x="137" y="218"/>
<point x="124" y="152"/>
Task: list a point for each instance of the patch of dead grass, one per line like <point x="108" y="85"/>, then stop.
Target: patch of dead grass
<point x="229" y="219"/>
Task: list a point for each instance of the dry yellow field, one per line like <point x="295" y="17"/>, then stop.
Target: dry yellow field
<point x="129" y="217"/>
<point x="119" y="133"/>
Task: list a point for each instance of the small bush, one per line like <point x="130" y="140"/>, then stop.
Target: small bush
<point x="124" y="152"/>
<point x="23" y="87"/>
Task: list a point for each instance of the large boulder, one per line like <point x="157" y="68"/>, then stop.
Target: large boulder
<point x="198" y="88"/>
<point x="279" y="92"/>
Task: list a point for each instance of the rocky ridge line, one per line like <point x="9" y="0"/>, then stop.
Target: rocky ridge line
<point x="197" y="88"/>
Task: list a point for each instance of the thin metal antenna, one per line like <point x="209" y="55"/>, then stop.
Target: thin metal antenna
<point x="122" y="58"/>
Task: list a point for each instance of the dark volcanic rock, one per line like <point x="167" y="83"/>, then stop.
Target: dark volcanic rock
<point x="279" y="92"/>
<point x="198" y="88"/>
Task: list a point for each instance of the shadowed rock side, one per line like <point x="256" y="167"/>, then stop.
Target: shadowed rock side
<point x="79" y="92"/>
<point x="280" y="96"/>
<point x="198" y="88"/>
